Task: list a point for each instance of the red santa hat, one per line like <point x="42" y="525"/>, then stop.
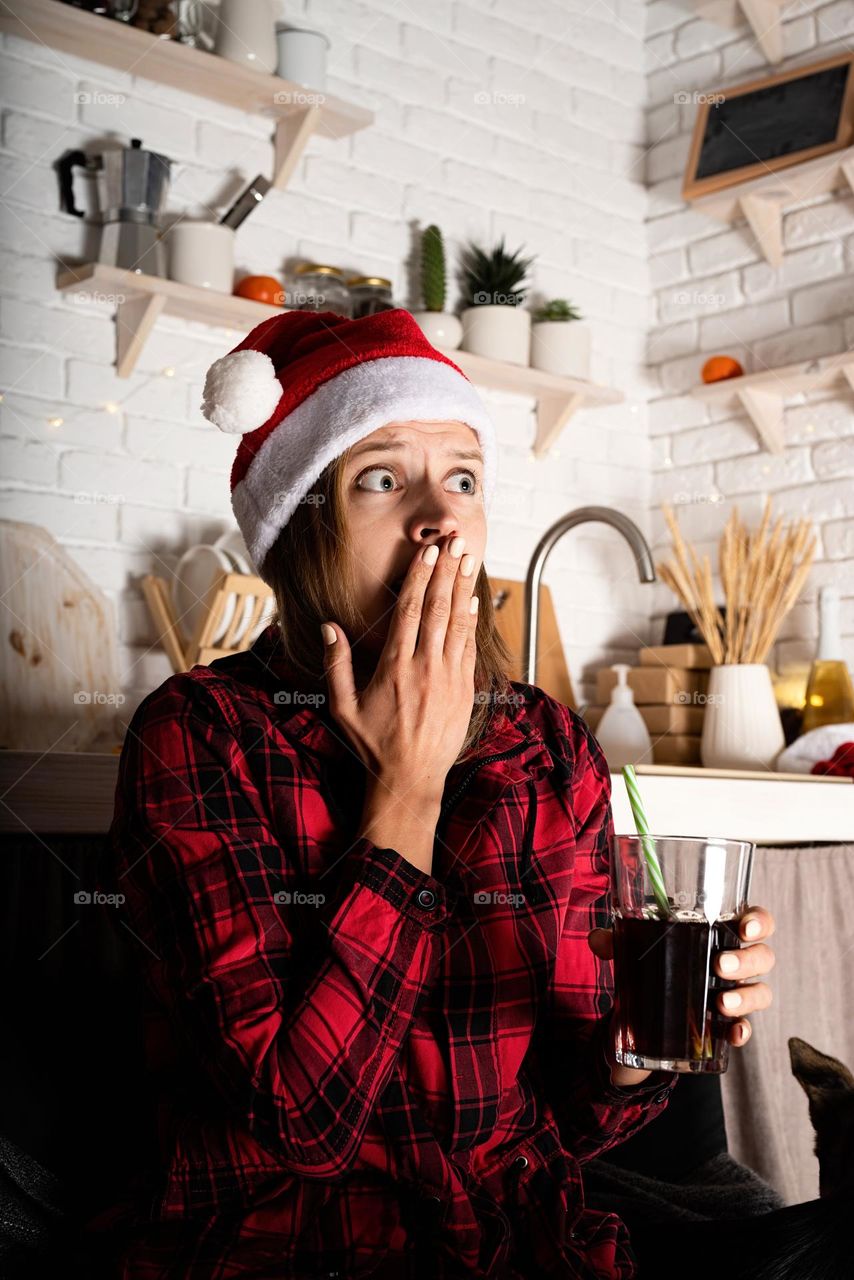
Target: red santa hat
<point x="304" y="386"/>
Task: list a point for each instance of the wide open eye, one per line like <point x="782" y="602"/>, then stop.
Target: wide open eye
<point x="379" y="477"/>
<point x="467" y="476"/>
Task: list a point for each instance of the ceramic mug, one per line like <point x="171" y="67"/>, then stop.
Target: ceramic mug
<point x="202" y="254"/>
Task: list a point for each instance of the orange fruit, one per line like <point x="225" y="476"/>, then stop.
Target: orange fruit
<point x="261" y="289"/>
<point x="717" y="368"/>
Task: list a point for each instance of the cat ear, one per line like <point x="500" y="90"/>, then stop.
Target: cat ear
<point x="241" y="391"/>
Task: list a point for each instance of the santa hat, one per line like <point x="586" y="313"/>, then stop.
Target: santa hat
<point x="304" y="386"/>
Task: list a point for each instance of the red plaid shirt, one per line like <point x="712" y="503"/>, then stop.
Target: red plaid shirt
<point x="360" y="1068"/>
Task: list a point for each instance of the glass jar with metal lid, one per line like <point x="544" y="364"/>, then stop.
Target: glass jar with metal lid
<point x="317" y="287"/>
<point x="369" y="294"/>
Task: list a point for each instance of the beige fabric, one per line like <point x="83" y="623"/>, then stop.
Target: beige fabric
<point x="810" y="890"/>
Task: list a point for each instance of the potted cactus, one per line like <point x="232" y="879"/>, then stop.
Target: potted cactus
<point x="558" y="346"/>
<point x="495" y="324"/>
<point x="440" y="327"/>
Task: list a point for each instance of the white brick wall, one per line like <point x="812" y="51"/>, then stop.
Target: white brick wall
<point x="492" y="119"/>
<point x="537" y="121"/>
<point x="714" y="292"/>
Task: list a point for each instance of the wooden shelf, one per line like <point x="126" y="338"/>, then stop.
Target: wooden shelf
<point x="763" y="201"/>
<point x="762" y="395"/>
<point x="769" y="808"/>
<point x="297" y="111"/>
<point x="557" y="398"/>
<point x="763" y="16"/>
<point x="144" y="298"/>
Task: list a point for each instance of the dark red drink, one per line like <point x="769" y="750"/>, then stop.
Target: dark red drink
<point x="668" y="992"/>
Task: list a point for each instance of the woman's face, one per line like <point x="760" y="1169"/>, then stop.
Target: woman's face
<point x="406" y="485"/>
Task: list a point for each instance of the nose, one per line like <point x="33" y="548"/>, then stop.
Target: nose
<point x="433" y="526"/>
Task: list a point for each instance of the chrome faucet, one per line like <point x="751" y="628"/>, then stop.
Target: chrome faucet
<point x="581" y="515"/>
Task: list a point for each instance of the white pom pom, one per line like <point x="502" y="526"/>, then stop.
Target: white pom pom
<point x="241" y="391"/>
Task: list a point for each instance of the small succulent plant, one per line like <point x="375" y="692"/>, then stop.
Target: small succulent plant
<point x="433" y="269"/>
<point x="557" y="309"/>
<point x="496" y="278"/>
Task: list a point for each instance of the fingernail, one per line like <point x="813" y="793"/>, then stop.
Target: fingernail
<point x="431" y="554"/>
<point x="731" y="999"/>
<point x="328" y="633"/>
<point x="752" y="928"/>
<point x="456" y="547"/>
<point x="466" y="565"/>
<point x="473" y="604"/>
<point x="728" y="962"/>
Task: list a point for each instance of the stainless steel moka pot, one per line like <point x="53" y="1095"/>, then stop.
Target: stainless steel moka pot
<point x="132" y="185"/>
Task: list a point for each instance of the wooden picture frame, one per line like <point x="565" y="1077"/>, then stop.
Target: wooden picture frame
<point x="698" y="183"/>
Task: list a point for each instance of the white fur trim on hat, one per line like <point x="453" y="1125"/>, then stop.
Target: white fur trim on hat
<point x="241" y="391"/>
<point x="339" y="413"/>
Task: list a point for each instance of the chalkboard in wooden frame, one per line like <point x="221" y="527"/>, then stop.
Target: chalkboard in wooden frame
<point x="754" y="129"/>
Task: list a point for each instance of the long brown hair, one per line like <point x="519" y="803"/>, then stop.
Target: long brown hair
<point x="311" y="574"/>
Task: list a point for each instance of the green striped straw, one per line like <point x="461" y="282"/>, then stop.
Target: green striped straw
<point x="653" y="866"/>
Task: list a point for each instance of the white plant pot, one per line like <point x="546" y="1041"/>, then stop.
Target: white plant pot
<point x="246" y="33"/>
<point x="440" y="327"/>
<point x="741" y="725"/>
<point x="561" y="347"/>
<point x="497" y="332"/>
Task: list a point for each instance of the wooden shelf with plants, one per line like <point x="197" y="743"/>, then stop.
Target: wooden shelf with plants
<point x="141" y="299"/>
<point x="762" y="395"/>
<point x="296" y="112"/>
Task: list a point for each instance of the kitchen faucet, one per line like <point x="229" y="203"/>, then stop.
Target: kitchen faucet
<point x="581" y="515"/>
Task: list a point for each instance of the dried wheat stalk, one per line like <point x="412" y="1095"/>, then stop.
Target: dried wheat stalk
<point x="761" y="573"/>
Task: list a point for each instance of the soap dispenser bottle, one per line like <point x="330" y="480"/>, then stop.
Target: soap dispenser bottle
<point x="621" y="733"/>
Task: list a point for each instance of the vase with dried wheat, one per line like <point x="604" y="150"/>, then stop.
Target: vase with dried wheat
<point x="762" y="574"/>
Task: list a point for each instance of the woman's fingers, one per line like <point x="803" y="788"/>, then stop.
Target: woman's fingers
<point x="462" y="622"/>
<point x="601" y="943"/>
<point x="746" y="999"/>
<point x="756" y="923"/>
<point x="747" y="962"/>
<point x="437" y="611"/>
<point x="338" y="667"/>
<point x="406" y="619"/>
<point x="740" y="1032"/>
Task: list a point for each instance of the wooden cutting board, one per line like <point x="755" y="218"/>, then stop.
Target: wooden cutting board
<point x="59" y="662"/>
<point x="552" y="675"/>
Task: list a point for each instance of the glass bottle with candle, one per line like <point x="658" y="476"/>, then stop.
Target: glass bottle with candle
<point x="829" y="697"/>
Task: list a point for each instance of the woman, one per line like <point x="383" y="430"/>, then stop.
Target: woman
<point x="367" y="872"/>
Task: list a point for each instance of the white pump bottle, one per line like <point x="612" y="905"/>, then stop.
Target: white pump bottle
<point x="622" y="733"/>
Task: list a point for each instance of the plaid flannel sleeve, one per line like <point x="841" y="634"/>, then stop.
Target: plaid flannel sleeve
<point x="301" y="1056"/>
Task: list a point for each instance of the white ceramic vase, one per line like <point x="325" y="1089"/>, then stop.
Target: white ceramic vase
<point x="246" y="33"/>
<point x="741" y="726"/>
<point x="497" y="332"/>
<point x="440" y="327"/>
<point x="561" y="347"/>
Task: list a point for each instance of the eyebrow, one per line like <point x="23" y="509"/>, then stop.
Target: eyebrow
<point x="395" y="442"/>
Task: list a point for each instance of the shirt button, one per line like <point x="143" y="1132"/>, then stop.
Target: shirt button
<point x="521" y="1162"/>
<point x="427" y="898"/>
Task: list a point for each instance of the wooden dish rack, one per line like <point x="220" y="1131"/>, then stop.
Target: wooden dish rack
<point x="201" y="649"/>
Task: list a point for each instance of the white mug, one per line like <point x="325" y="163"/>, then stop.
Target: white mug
<point x="202" y="254"/>
<point x="302" y="55"/>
